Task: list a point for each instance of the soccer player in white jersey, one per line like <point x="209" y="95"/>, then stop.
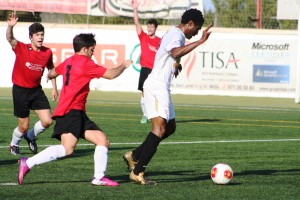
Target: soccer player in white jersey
<point x="159" y="106"/>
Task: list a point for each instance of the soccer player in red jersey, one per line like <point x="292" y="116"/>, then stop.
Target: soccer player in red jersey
<point x="149" y="44"/>
<point x="31" y="60"/>
<point x="72" y="122"/>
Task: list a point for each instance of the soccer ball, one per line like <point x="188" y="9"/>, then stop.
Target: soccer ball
<point x="221" y="173"/>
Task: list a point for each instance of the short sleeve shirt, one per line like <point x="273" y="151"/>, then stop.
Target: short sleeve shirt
<point x="77" y="72"/>
<point x="149" y="48"/>
<point x="30" y="64"/>
<point x="164" y="64"/>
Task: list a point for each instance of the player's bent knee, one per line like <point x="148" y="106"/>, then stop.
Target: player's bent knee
<point x="23" y="129"/>
<point x="103" y="142"/>
<point x="170" y="131"/>
<point x="99" y="138"/>
<point x="69" y="150"/>
<point x="171" y="126"/>
<point x="47" y="123"/>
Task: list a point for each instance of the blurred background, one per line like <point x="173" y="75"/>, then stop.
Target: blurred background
<point x="224" y="13"/>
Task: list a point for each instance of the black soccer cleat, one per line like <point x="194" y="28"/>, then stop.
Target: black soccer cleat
<point x="32" y="144"/>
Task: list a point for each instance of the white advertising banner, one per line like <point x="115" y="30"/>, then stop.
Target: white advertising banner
<point x="229" y="63"/>
<point x="241" y="65"/>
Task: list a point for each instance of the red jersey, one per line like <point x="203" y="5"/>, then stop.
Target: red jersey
<point x="30" y="64"/>
<point x="77" y="71"/>
<point x="149" y="48"/>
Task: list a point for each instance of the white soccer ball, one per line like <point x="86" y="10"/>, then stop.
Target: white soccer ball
<point x="221" y="173"/>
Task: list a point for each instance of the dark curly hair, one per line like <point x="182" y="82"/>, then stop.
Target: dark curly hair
<point x="153" y="21"/>
<point x="193" y="14"/>
<point x="35" y="28"/>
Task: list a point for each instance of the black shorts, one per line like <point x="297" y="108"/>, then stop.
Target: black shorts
<point x="26" y="99"/>
<point x="75" y="122"/>
<point x="143" y="76"/>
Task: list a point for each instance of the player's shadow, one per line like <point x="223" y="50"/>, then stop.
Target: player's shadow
<point x="90" y="151"/>
<point x="179" y="176"/>
<point x="175" y="176"/>
<point x="8" y="162"/>
<point x="125" y="178"/>
<point x="197" y="120"/>
<point x="266" y="172"/>
<point x="189" y="175"/>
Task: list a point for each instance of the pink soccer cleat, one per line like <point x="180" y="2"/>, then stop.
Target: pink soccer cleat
<point x="23" y="170"/>
<point x="104" y="182"/>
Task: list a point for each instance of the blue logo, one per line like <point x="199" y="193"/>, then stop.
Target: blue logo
<point x="271" y="73"/>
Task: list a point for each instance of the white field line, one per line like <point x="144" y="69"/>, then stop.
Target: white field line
<point x="207" y="106"/>
<point x="182" y="142"/>
<point x="190" y="105"/>
<point x="8" y="184"/>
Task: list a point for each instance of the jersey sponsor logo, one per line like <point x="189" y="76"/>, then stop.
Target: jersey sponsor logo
<point x="152" y="48"/>
<point x="34" y="67"/>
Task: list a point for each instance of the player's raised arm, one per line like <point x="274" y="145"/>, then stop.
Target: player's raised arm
<point x="115" y="72"/>
<point x="12" y="20"/>
<point x="205" y="34"/>
<point x="138" y="26"/>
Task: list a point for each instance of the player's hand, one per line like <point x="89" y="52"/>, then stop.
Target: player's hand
<point x="54" y="94"/>
<point x="126" y="63"/>
<point x="134" y="4"/>
<point x="12" y="19"/>
<point x="206" y="33"/>
<point x="177" y="70"/>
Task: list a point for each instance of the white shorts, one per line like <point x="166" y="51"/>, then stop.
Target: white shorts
<point x="158" y="103"/>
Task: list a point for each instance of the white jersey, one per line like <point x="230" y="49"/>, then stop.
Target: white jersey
<point x="163" y="68"/>
<point x="157" y="86"/>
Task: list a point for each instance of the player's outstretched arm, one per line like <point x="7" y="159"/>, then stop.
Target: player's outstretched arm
<point x="181" y="51"/>
<point x="52" y="74"/>
<point x="12" y="20"/>
<point x="115" y="72"/>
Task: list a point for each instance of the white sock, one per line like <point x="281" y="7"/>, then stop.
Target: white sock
<point x="49" y="154"/>
<point x="100" y="161"/>
<point x="143" y="107"/>
<point x="36" y="130"/>
<point x="16" y="137"/>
